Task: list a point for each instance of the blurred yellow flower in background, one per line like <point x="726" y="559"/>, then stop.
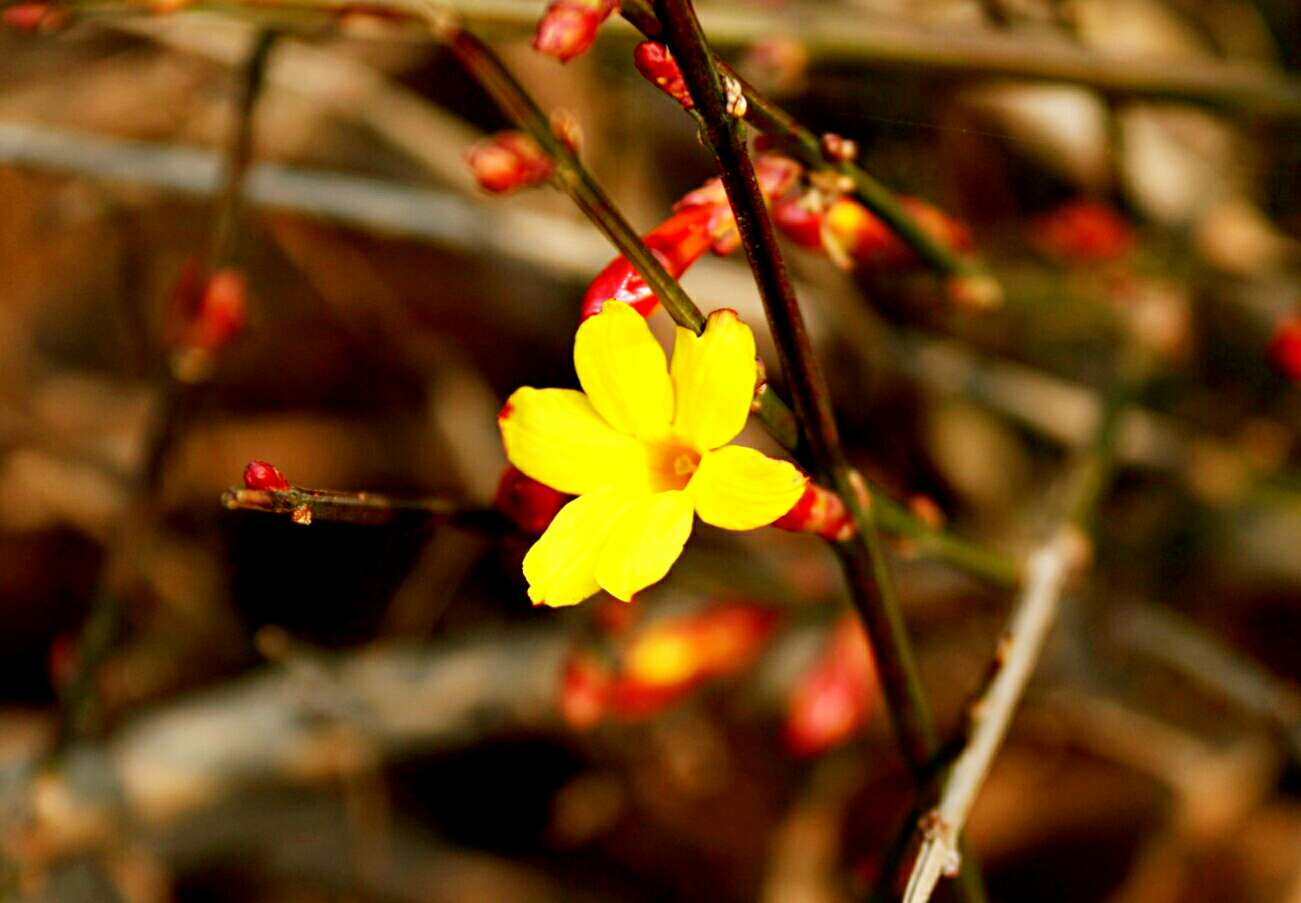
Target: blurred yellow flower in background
<point x="645" y="448"/>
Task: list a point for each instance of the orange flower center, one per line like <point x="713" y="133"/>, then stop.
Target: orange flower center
<point x="671" y="465"/>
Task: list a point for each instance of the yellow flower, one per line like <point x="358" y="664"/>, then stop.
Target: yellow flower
<point x="644" y="447"/>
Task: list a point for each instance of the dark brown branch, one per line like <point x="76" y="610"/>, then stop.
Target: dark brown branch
<point x="309" y="506"/>
<point x="863" y="557"/>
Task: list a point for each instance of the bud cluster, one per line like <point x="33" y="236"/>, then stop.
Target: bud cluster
<point x="702" y="221"/>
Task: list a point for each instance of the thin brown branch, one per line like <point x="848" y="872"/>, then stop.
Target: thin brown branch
<point x="1066" y="552"/>
<point x="866" y="569"/>
<point x="309" y="506"/>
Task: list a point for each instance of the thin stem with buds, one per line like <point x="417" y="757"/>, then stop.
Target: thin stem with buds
<point x="863" y="557"/>
<point x="105" y="625"/>
<point x="307" y="506"/>
<point x="970" y="279"/>
<point x="574" y="178"/>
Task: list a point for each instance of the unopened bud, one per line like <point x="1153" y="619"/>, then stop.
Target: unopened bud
<point x="508" y="161"/>
<point x="568" y="28"/>
<point x="205" y="315"/>
<point x="529" y="504"/>
<point x="584" y="691"/>
<point x="656" y="64"/>
<point x="833" y="699"/>
<point x="1285" y="347"/>
<point x="735" y="97"/>
<point x="264" y="476"/>
<point x="1082" y="231"/>
<point x="223" y="311"/>
<point x="33" y="17"/>
<point x="821" y="512"/>
<point x="564" y="125"/>
<point x="838" y="149"/>
<point x="800" y="219"/>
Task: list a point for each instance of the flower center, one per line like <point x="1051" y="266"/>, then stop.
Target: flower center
<point x="671" y="465"/>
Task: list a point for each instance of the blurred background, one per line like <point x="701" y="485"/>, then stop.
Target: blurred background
<point x="201" y="702"/>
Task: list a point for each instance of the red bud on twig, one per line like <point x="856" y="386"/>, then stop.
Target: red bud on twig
<point x="702" y="221"/>
<point x="658" y="67"/>
<point x="821" y="512"/>
<point x="508" y="161"/>
<point x="264" y="476"/>
<point x="568" y="28"/>
<point x="529" y="504"/>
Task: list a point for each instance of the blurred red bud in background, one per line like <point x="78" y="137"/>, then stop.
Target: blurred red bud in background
<point x="834" y="697"/>
<point x="1285" y="347"/>
<point x="584" y="691"/>
<point x="1082" y="231"/>
<point x="568" y="27"/>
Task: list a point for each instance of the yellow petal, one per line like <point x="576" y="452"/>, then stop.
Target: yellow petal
<point x="713" y="380"/>
<point x="739" y="488"/>
<point x="561" y="565"/>
<point x="622" y="369"/>
<point x="644" y="543"/>
<point x="555" y="437"/>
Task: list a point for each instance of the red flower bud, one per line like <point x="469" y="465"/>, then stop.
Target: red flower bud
<point x="584" y="691"/>
<point x="1082" y="231"/>
<point x="658" y="67"/>
<point x="206" y="312"/>
<point x="702" y="220"/>
<point x="529" y="504"/>
<point x="568" y="27"/>
<point x="223" y="311"/>
<point x="857" y="237"/>
<point x="508" y="161"/>
<point x="671" y="657"/>
<point x="833" y="699"/>
<point x="819" y="511"/>
<point x="34" y="17"/>
<point x="1285" y="347"/>
<point x="261" y="475"/>
<point x="677" y="242"/>
<point x="800" y="221"/>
